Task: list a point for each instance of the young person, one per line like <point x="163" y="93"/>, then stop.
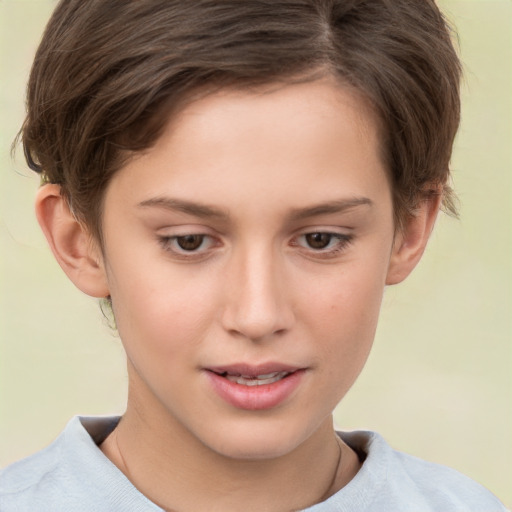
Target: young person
<point x="239" y="181"/>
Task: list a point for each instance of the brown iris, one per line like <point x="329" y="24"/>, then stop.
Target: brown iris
<point x="190" y="242"/>
<point x="318" y="240"/>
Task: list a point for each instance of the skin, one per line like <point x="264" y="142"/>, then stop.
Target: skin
<point x="254" y="175"/>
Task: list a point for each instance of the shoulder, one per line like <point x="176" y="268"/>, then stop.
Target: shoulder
<point x="39" y="471"/>
<point x="439" y="485"/>
<point x="393" y="481"/>
<point x="70" y="474"/>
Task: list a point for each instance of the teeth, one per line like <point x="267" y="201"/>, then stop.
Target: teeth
<point x="259" y="380"/>
<point x="268" y="375"/>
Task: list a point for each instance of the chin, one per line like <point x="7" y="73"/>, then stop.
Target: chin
<point x="256" y="440"/>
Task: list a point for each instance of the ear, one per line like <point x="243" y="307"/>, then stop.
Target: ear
<point x="71" y="243"/>
<point x="411" y="240"/>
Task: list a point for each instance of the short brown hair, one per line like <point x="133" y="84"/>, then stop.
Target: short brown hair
<point x="108" y="73"/>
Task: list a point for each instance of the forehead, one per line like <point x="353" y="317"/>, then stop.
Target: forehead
<point x="275" y="139"/>
<point x="323" y="98"/>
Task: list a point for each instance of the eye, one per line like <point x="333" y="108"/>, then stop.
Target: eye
<point x="187" y="245"/>
<point x="323" y="243"/>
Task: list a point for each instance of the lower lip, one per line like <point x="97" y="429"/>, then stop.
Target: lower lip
<point x="255" y="398"/>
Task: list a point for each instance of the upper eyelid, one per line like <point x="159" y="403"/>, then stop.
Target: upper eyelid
<point x="339" y="236"/>
<point x="341" y="231"/>
<point x="175" y="237"/>
<point x="341" y="241"/>
<point x="170" y="231"/>
<point x="162" y="233"/>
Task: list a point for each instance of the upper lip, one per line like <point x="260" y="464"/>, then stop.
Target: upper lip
<point x="251" y="370"/>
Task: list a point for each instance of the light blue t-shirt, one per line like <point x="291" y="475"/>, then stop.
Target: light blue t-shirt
<point x="73" y="475"/>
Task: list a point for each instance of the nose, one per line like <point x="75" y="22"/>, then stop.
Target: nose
<point x="257" y="307"/>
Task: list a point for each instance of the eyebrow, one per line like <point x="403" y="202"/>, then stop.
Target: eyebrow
<point x="330" y="207"/>
<point x="206" y="211"/>
<point x="187" y="207"/>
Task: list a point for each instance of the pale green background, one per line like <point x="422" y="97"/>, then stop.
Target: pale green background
<point x="438" y="383"/>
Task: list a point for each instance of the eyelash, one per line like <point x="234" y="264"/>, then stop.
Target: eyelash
<point x="170" y="244"/>
<point x="167" y="243"/>
<point x="342" y="241"/>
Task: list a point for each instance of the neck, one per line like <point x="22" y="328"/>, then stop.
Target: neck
<point x="175" y="470"/>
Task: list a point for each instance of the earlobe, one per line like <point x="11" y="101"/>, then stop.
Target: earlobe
<point x="70" y="242"/>
<point x="411" y="240"/>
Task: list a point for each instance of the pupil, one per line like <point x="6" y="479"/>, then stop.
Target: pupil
<point x="318" y="240"/>
<point x="190" y="242"/>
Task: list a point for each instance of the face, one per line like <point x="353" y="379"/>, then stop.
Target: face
<point x="246" y="255"/>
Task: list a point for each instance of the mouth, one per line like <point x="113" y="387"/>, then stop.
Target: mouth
<point x="255" y="387"/>
<point x="254" y="380"/>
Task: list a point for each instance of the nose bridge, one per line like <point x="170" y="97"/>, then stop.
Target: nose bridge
<point x="257" y="305"/>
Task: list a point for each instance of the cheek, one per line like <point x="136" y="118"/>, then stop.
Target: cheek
<point x="348" y="299"/>
<point x="343" y="314"/>
<point x="160" y="313"/>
